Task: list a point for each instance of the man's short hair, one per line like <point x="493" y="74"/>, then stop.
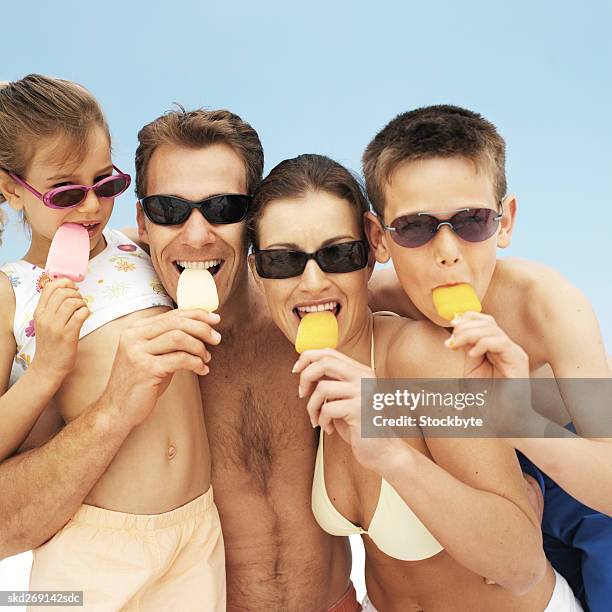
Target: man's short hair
<point x="430" y="132"/>
<point x="195" y="129"/>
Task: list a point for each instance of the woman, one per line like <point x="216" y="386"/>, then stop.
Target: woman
<point x="445" y="522"/>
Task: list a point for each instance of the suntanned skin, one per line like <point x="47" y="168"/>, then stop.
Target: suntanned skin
<point x="535" y="306"/>
<point x="262" y="444"/>
<point x="165" y="461"/>
<point x="501" y="541"/>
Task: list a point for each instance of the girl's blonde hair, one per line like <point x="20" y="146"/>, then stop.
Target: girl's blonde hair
<point x="39" y="107"/>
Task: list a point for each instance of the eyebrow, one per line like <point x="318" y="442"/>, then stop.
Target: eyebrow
<point x="294" y="247"/>
<point x="62" y="177"/>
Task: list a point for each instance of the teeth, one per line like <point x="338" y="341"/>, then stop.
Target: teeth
<point x="199" y="265"/>
<point x="318" y="307"/>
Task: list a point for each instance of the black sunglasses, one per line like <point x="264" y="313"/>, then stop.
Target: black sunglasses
<point x="336" y="259"/>
<point x="471" y="224"/>
<point x="218" y="209"/>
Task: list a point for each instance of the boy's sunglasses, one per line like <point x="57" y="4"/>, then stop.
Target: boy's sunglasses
<point x="70" y="196"/>
<point x="218" y="209"/>
<point x="471" y="224"/>
<point x="336" y="259"/>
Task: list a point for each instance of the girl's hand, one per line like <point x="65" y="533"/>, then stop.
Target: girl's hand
<point x="333" y="382"/>
<point x="58" y="319"/>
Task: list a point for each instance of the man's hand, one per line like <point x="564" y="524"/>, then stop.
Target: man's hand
<point x="58" y="319"/>
<point x="151" y="351"/>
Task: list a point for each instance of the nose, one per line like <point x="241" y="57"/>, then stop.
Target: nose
<point x="446" y="247"/>
<point x="197" y="231"/>
<point x="313" y="281"/>
<point x="91" y="203"/>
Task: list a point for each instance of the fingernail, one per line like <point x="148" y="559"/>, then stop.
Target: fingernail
<point x="300" y="392"/>
<point x="216" y="335"/>
<point x="450" y="342"/>
<point x="294" y="368"/>
<point x="215" y="316"/>
<point x="456" y="320"/>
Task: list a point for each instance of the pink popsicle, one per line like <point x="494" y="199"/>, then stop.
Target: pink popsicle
<point x="69" y="253"/>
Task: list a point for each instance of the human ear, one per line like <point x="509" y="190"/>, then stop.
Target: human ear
<point x="10" y="190"/>
<point x="506" y="224"/>
<point x="376" y="237"/>
<point x="143" y="234"/>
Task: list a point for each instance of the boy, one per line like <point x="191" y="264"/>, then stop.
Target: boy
<point x="442" y="160"/>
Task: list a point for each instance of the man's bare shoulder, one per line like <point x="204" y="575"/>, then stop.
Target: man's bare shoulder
<point x="132" y="234"/>
<point x="386" y="293"/>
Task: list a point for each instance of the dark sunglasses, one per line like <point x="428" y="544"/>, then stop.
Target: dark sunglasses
<point x="471" y="224"/>
<point x="336" y="259"/>
<point x="70" y="196"/>
<point x="218" y="209"/>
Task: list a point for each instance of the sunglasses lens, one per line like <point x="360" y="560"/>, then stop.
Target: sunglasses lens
<point x="475" y="225"/>
<point x="280" y="264"/>
<point x="112" y="187"/>
<point x="226" y="208"/>
<point x="413" y="230"/>
<point x="344" y="257"/>
<point x="68" y="197"/>
<point x="165" y="210"/>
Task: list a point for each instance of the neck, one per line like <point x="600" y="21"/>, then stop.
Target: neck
<point x="357" y="346"/>
<point x="238" y="309"/>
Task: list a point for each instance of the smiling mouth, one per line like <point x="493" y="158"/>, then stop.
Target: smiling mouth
<point x="212" y="265"/>
<point x="333" y="307"/>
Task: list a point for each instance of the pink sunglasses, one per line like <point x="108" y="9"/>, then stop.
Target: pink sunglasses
<point x="70" y="196"/>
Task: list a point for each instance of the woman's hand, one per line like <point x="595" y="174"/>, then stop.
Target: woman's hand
<point x="333" y="382"/>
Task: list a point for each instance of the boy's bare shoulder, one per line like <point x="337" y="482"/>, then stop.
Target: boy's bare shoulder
<point x="539" y="294"/>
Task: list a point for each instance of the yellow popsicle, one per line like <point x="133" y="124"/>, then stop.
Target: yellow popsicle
<point x="317" y="330"/>
<point x="197" y="289"/>
<point x="453" y="301"/>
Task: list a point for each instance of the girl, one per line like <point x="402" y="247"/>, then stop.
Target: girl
<point x="148" y="534"/>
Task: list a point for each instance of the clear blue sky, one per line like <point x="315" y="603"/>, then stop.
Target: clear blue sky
<point x="325" y="77"/>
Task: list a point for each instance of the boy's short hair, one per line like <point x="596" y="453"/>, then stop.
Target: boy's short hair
<point x="200" y="128"/>
<point x="429" y="132"/>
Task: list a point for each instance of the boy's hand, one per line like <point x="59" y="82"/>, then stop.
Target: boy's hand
<point x="151" y="351"/>
<point x="490" y="352"/>
<point x="58" y="319"/>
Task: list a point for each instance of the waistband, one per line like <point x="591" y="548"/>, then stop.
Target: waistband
<point x="348" y="602"/>
<point x="101" y="517"/>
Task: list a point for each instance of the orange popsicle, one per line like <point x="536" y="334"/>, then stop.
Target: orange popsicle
<point x="317" y="330"/>
<point x="453" y="301"/>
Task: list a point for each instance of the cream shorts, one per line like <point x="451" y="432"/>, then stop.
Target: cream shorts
<point x="170" y="561"/>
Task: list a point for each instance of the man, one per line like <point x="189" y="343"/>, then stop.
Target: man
<point x="262" y="445"/>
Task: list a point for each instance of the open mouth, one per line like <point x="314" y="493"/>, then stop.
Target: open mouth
<point x="212" y="265"/>
<point x="91" y="228"/>
<point x="333" y="307"/>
